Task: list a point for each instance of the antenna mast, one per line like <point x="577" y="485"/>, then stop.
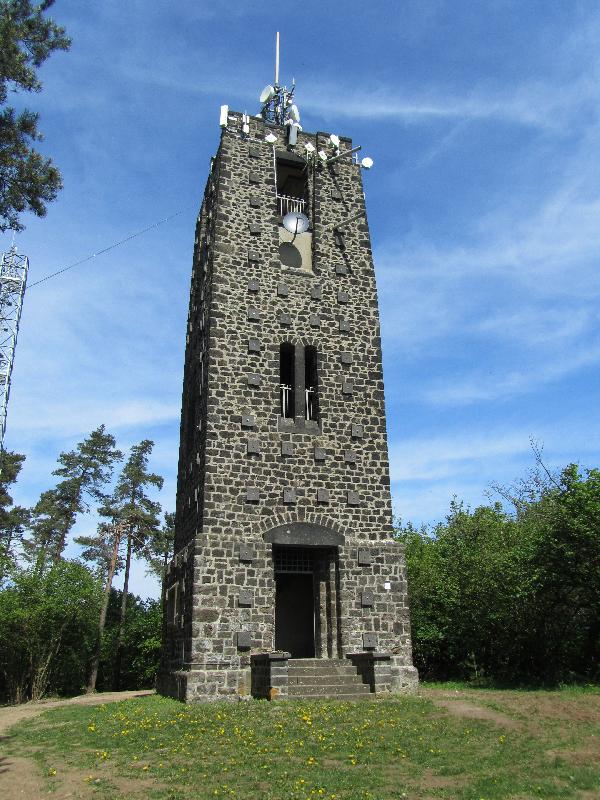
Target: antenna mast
<point x="278" y="101"/>
<point x="13" y="279"/>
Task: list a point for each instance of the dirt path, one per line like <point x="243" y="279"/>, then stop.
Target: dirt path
<point x="10" y="715"/>
<point x="458" y="706"/>
<point x="20" y="777"/>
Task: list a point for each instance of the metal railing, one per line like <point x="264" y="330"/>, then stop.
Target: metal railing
<point x="286" y="204"/>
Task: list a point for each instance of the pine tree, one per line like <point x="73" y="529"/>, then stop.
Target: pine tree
<point x="13" y="519"/>
<point x="159" y="550"/>
<point x="130" y="505"/>
<point x="104" y="550"/>
<point x="85" y="471"/>
<point x="27" y="180"/>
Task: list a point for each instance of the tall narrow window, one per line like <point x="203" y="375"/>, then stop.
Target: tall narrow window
<point x="292" y="185"/>
<point x="287" y="380"/>
<point x="311" y="404"/>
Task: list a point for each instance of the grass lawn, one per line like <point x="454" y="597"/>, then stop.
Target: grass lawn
<point x="449" y="743"/>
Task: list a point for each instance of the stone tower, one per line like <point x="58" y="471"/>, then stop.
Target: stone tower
<point x="284" y="565"/>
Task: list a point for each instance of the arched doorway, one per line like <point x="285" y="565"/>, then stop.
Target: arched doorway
<point x="306" y="572"/>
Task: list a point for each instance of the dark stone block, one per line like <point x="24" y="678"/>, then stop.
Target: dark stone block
<point x="253" y="446"/>
<point x="344" y="326"/>
<point x="314" y="321"/>
<point x="253" y="345"/>
<point x="255" y="202"/>
<point x="350" y="456"/>
<point x="285" y="318"/>
<point x="283" y="290"/>
<point x="320" y="454"/>
<point x="366" y="598"/>
<point x="254" y="152"/>
<point x="253" y="256"/>
<point x="255" y="228"/>
<point x="336" y="194"/>
<point x="346" y="358"/>
<point x="364" y="558"/>
<point x="245" y="598"/>
<point x="253" y="314"/>
<point x="341" y="269"/>
<point x="289" y="495"/>
<point x="252" y="495"/>
<point x="305" y="534"/>
<point x="347" y="386"/>
<point x="287" y="449"/>
<point x="247" y="421"/>
<point x="342" y="297"/>
<point x="245" y="552"/>
<point x="253" y="285"/>
<point x="316" y="292"/>
<point x="254" y="381"/>
<point x="243" y="640"/>
<point x="254" y="177"/>
<point x="357" y="431"/>
<point x="369" y="641"/>
<point x="322" y="496"/>
<point x="353" y="498"/>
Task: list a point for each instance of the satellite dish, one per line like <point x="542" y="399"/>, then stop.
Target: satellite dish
<point x="323" y="155"/>
<point x="295" y="222"/>
<point x="294" y="113"/>
<point x="267" y="93"/>
<point x="367" y="163"/>
<point x="335" y="140"/>
<point x="270" y="138"/>
<point x="310" y="148"/>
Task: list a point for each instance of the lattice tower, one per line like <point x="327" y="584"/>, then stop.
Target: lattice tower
<point x="13" y="279"/>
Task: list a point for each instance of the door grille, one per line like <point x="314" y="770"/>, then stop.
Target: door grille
<point x="293" y="559"/>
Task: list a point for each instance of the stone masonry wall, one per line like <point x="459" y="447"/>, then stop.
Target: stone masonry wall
<point x="239" y="474"/>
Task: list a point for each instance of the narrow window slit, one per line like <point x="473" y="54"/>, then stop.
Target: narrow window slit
<point x="286" y="379"/>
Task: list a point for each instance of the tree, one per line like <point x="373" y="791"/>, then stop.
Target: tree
<point x="13" y="519"/>
<point x="511" y="596"/>
<point x="104" y="550"/>
<point x="130" y="506"/>
<point x="141" y="643"/>
<point x="46" y="631"/>
<point x="159" y="549"/>
<point x="85" y="471"/>
<point x="27" y="180"/>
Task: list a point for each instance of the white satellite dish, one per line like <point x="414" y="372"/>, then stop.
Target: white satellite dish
<point x="295" y="222"/>
<point x="310" y="148"/>
<point x="270" y="138"/>
<point x="323" y="155"/>
<point x="367" y="162"/>
<point x="267" y="93"/>
<point x="335" y="140"/>
<point x="294" y="113"/>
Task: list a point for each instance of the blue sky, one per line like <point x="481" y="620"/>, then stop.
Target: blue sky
<point x="484" y="207"/>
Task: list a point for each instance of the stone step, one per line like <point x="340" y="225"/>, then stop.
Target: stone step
<point x="330" y="680"/>
<point x="358" y="690"/>
<point x="317" y="662"/>
<point x="347" y="670"/>
<point x="350" y="697"/>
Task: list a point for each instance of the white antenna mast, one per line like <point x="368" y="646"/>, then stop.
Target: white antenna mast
<point x="277" y="59"/>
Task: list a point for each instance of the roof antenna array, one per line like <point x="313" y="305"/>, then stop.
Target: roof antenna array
<point x="278" y="107"/>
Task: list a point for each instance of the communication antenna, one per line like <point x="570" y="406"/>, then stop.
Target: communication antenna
<point x="295" y="222"/>
<point x="13" y="280"/>
<point x="277" y="103"/>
